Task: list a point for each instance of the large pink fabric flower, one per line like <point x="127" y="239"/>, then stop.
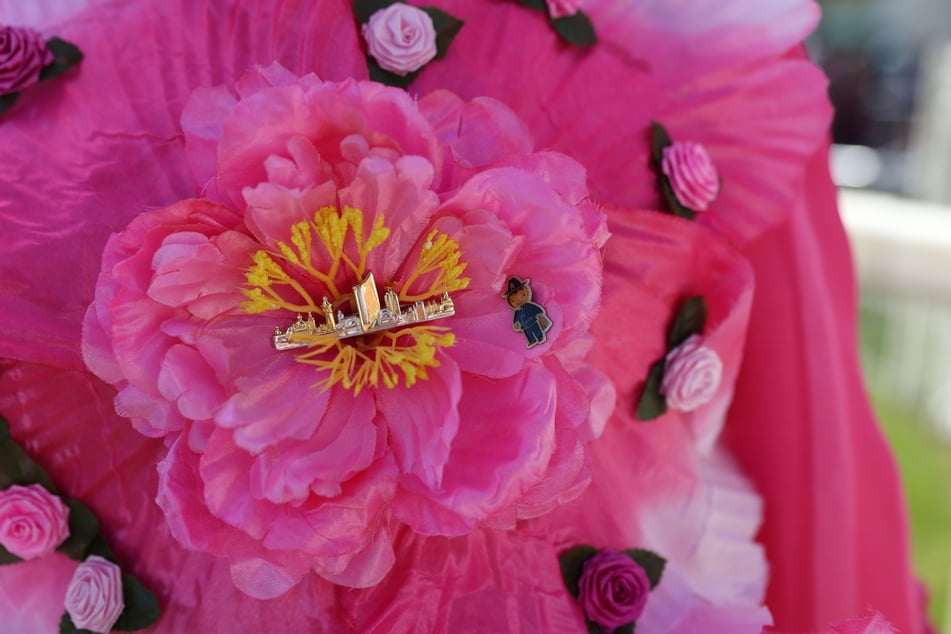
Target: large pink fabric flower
<point x="284" y="462"/>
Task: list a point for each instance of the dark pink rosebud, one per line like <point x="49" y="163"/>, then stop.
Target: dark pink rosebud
<point x="563" y="8"/>
<point x="23" y="54"/>
<point x="33" y="521"/>
<point x="692" y="174"/>
<point x="613" y="589"/>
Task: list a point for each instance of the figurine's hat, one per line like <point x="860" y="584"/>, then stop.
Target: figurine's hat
<point x="514" y="284"/>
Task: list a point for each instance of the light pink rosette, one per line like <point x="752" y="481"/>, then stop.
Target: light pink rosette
<point x="33" y="521"/>
<point x="285" y="467"/>
<point x="693" y="177"/>
<point x="401" y="38"/>
<point x="563" y="8"/>
<point x="691" y="376"/>
<point x="23" y="54"/>
<point x="94" y="597"/>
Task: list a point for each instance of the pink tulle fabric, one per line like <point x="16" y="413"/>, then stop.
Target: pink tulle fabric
<point x="791" y="404"/>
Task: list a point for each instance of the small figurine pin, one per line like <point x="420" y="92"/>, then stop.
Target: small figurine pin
<point x="530" y="318"/>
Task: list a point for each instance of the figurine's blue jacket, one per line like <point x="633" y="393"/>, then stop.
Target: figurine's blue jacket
<point x="527" y="317"/>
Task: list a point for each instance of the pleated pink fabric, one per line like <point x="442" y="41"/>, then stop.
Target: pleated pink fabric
<point x="799" y="453"/>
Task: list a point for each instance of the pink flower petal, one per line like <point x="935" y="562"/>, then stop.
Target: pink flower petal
<point x="480" y="481"/>
<point x="346" y="441"/>
<point x="185" y="378"/>
<point x="423" y="421"/>
<point x="272" y="410"/>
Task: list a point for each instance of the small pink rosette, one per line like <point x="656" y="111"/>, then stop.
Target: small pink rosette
<point x="401" y="38"/>
<point x="33" y="521"/>
<point x="23" y="54"/>
<point x="94" y="597"/>
<point x="692" y="175"/>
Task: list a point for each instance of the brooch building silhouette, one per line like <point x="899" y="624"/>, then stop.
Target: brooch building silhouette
<point x="370" y="317"/>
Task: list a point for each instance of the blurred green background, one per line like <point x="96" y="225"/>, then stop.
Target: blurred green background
<point x="923" y="452"/>
<point x="889" y="66"/>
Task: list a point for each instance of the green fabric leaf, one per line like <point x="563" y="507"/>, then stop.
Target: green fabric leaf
<point x="593" y="628"/>
<point x="670" y="198"/>
<point x="447" y="27"/>
<point x="83" y="529"/>
<point x="388" y="78"/>
<point x="65" y="56"/>
<point x="16" y="467"/>
<point x="363" y="9"/>
<point x="652" y="403"/>
<point x="575" y="29"/>
<point x="66" y="626"/>
<point x="99" y="547"/>
<point x="141" y="606"/>
<point x="6" y="557"/>
<point x="690" y="320"/>
<point x="572" y="564"/>
<point x="659" y="140"/>
<point x="625" y="629"/>
<point x="652" y="563"/>
<point x="540" y="5"/>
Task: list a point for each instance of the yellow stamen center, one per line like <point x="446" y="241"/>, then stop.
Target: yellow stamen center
<point x="319" y="255"/>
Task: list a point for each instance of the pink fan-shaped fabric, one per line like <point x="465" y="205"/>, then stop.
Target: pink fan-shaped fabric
<point x="737" y="98"/>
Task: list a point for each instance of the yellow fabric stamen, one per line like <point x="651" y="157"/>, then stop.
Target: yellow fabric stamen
<point x="440" y="255"/>
<point x="394" y="357"/>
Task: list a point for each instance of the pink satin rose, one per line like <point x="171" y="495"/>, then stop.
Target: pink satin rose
<point x="94" y="597"/>
<point x="286" y="462"/>
<point x="23" y="54"/>
<point x="613" y="589"/>
<point x="401" y="38"/>
<point x="563" y="8"/>
<point x="33" y="521"/>
<point x="691" y="376"/>
<point x="692" y="174"/>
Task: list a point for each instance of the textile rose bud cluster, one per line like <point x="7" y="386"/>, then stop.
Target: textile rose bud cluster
<point x="23" y="54"/>
<point x="309" y="460"/>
